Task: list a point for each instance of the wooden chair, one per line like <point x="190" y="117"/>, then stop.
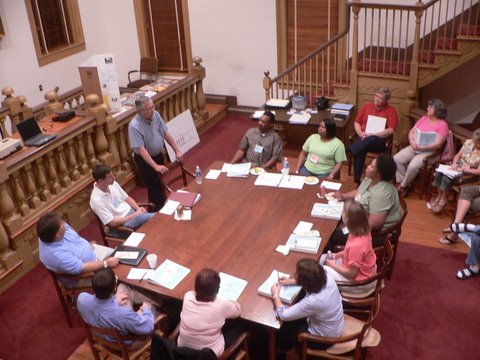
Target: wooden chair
<point x="106" y="232"/>
<point x="166" y="349"/>
<point x="395" y="230"/>
<point x="357" y="336"/>
<point x="172" y="176"/>
<point x="68" y="296"/>
<point x="113" y="344"/>
<point x="370" y="155"/>
<point x="148" y="73"/>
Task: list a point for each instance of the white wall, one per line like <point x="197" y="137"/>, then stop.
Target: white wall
<point x="237" y="41"/>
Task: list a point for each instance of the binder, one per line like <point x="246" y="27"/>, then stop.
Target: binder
<point x="129" y="255"/>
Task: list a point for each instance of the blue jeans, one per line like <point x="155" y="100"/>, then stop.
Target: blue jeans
<point x="305" y="172"/>
<point x="474" y="252"/>
<point x="133" y="223"/>
<point x="359" y="150"/>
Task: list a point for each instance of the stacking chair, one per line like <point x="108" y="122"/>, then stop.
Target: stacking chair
<point x="166" y="349"/>
<point x="370" y="155"/>
<point x="109" y="342"/>
<point x="357" y="336"/>
<point x="68" y="296"/>
<point x="148" y="73"/>
<point x="105" y="231"/>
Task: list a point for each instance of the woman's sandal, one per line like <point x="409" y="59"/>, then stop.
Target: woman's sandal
<point x="466" y="274"/>
<point x="445" y="240"/>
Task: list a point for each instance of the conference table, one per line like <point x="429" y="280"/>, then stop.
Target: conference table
<point x="235" y="228"/>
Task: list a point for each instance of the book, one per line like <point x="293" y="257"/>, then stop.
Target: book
<point x="375" y="124"/>
<point x="231" y="287"/>
<point x="424" y="138"/>
<point x="331" y="211"/>
<point x="168" y="274"/>
<point x="342" y="107"/>
<point x="448" y="171"/>
<point x="277" y="103"/>
<point x="288" y="293"/>
<point x="304" y="244"/>
<point x="185" y="198"/>
<point x="129" y="255"/>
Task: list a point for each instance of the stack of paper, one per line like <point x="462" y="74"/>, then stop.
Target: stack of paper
<point x="448" y="171"/>
<point x="331" y="211"/>
<point x="300" y="118"/>
<point x="287" y="293"/>
<point x="304" y="244"/>
<point x="169" y="274"/>
<point x="237" y="170"/>
<point x="340" y="108"/>
<point x="278" y="103"/>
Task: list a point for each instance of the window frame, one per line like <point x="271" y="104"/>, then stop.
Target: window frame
<point x="77" y="42"/>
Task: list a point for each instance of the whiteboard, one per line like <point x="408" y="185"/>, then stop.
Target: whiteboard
<point x="183" y="130"/>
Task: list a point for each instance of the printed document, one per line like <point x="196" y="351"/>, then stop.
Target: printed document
<point x="231" y="287"/>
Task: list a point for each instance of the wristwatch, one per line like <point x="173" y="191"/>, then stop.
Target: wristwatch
<point x="105" y="264"/>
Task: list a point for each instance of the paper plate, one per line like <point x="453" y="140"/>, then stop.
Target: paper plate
<point x="311" y="180"/>
<point x="329" y="196"/>
<point x="257" y="171"/>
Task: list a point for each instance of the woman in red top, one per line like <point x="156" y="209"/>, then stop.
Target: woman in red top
<point x="357" y="261"/>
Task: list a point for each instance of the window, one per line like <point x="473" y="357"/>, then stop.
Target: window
<point x="56" y="28"/>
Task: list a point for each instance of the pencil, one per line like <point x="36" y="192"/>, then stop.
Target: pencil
<point x="145" y="273"/>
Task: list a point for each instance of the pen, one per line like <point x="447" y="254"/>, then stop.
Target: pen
<point x="145" y="273"/>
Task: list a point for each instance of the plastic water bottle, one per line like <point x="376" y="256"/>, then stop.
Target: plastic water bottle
<point x="329" y="255"/>
<point x="198" y="175"/>
<point x="285" y="169"/>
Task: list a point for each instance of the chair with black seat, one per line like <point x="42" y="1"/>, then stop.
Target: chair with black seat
<point x="357" y="337"/>
<point x="166" y="349"/>
<point x="147" y="74"/>
<point x="106" y="233"/>
<point x="110" y="343"/>
<point x="68" y="296"/>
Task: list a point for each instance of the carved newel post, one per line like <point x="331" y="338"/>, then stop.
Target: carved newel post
<point x="53" y="104"/>
<point x="99" y="110"/>
<point x="13" y="105"/>
<point x="200" y="96"/>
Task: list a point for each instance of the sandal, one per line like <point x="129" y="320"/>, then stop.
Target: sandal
<point x="438" y="208"/>
<point x="431" y="204"/>
<point x="445" y="240"/>
<point x="462" y="227"/>
<point x="466" y="274"/>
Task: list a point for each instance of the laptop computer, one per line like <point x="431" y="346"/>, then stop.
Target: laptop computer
<point x="31" y="133"/>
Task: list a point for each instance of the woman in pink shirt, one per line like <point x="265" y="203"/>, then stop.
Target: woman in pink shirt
<point x="203" y="315"/>
<point x="410" y="160"/>
<point x="357" y="261"/>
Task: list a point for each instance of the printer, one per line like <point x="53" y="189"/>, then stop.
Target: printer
<point x="9" y="146"/>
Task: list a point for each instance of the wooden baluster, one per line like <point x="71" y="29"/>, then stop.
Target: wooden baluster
<point x="354" y="71"/>
<point x="81" y="158"/>
<point x="33" y="192"/>
<point x="13" y="106"/>
<point x="3" y="124"/>
<point x="100" y="111"/>
<point x="8" y="257"/>
<point x="55" y="187"/>
<point x="178" y="103"/>
<point x="19" y="194"/>
<point x="43" y="191"/>
<point x="123" y="149"/>
<point x="200" y="71"/>
<point x="72" y="162"/>
<point x="92" y="160"/>
<point x="188" y="99"/>
<point x="65" y="180"/>
<point x="11" y="219"/>
<point x="193" y="99"/>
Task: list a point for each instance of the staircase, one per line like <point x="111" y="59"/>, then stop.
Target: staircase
<point x="402" y="47"/>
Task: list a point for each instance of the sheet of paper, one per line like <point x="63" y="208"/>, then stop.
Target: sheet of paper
<point x="239" y="170"/>
<point x="169" y="207"/>
<point x="231" y="287"/>
<point x="331" y="185"/>
<point x="283" y="249"/>
<point x="302" y="227"/>
<point x="375" y="124"/>
<point x="126" y="254"/>
<point x="138" y="274"/>
<point x="292" y="182"/>
<point x="213" y="174"/>
<point x="134" y="239"/>
<point x="268" y="179"/>
<point x="225" y="167"/>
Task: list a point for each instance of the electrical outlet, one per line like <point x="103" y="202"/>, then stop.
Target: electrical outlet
<point x="40" y="87"/>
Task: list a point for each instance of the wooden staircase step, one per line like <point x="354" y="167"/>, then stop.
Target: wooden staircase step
<point x="384" y="66"/>
<point x="468" y="30"/>
<point x="446" y="43"/>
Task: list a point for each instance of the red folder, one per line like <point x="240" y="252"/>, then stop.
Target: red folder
<point x="186" y="199"/>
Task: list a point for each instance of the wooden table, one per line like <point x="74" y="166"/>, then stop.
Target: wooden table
<point x="235" y="229"/>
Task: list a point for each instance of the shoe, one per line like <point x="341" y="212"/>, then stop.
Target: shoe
<point x="466" y="274"/>
<point x="461" y="227"/>
<point x="445" y="240"/>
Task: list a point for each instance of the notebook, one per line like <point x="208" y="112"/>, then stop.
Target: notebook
<point x="129" y="255"/>
<point x="31" y="133"/>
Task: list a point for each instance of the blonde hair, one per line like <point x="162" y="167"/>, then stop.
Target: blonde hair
<point x="356" y="218"/>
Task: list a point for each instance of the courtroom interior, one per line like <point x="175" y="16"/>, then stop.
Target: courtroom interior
<point x="232" y="142"/>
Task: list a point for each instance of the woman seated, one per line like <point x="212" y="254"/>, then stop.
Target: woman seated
<point x="378" y="196"/>
<point x="410" y="159"/>
<point x="357" y="261"/>
<point x="320" y="312"/>
<point x="322" y="154"/>
<point x="473" y="257"/>
<point x="203" y="315"/>
<point x="468" y="200"/>
<point x="466" y="161"/>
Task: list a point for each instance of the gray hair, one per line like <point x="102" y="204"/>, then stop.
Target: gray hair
<point x="385" y="92"/>
<point x="140" y="101"/>
<point x="440" y="111"/>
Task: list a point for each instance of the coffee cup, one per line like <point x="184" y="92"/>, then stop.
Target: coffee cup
<point x="152" y="260"/>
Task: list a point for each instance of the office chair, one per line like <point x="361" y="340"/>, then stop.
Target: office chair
<point x="147" y="74"/>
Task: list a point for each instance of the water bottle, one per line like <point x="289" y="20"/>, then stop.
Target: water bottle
<point x="285" y="169"/>
<point x="329" y="255"/>
<point x="198" y="175"/>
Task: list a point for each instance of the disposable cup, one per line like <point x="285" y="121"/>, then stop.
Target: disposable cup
<point x="152" y="260"/>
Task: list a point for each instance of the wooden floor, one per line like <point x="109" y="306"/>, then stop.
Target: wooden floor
<point x="421" y="227"/>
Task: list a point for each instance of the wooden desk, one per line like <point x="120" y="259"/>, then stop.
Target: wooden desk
<point x="297" y="134"/>
<point x="235" y="229"/>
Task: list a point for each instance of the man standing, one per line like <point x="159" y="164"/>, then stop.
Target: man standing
<point x="261" y="145"/>
<point x="147" y="133"/>
<point x="113" y="205"/>
<point x="372" y="142"/>
<point x="110" y="309"/>
<point x="63" y="251"/>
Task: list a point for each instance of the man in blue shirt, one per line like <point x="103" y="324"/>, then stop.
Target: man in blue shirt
<point x="108" y="309"/>
<point x="63" y="251"/>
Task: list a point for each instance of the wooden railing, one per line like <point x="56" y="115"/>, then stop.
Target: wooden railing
<point x="380" y="40"/>
<point x="58" y="176"/>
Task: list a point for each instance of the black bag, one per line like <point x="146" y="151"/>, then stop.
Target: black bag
<point x="322" y="104"/>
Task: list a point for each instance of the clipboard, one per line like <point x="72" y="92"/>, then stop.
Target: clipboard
<point x="128" y="252"/>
